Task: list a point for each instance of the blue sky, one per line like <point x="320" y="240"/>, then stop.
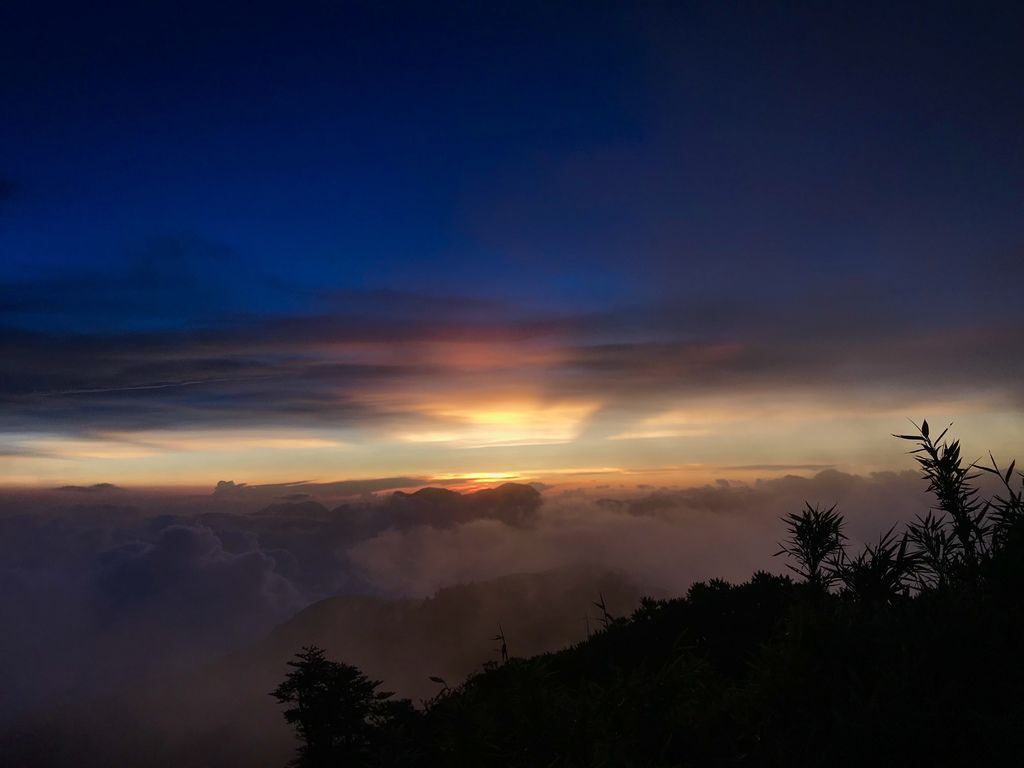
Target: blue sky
<point x="587" y="219"/>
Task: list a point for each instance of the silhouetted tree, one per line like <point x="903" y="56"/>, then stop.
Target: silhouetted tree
<point x="337" y="711"/>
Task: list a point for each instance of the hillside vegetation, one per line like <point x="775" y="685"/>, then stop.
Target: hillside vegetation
<point x="907" y="652"/>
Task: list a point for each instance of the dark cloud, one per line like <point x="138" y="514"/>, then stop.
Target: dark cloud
<point x="185" y="576"/>
<point x="511" y="503"/>
<point x="781" y="467"/>
<point x="177" y="354"/>
<point x="164" y="283"/>
<point x="299" y="491"/>
<point x="272" y="371"/>
<point x="763" y="350"/>
<point x="287" y="370"/>
<point x="18" y="450"/>
<point x="94" y="488"/>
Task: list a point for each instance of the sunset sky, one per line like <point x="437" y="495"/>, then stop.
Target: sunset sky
<point x="641" y="245"/>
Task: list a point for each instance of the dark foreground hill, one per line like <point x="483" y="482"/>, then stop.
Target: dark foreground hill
<point x="907" y="653"/>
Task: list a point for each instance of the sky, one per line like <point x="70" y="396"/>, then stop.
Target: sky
<point x="456" y="244"/>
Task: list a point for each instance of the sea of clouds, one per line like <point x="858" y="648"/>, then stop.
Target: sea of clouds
<point x="102" y="587"/>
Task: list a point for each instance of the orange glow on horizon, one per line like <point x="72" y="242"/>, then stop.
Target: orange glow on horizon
<point x="439" y="434"/>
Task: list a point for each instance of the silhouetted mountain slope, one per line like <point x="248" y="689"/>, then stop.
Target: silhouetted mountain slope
<point x="448" y="635"/>
<point x="765" y="673"/>
<point x="906" y="652"/>
<point x="222" y="714"/>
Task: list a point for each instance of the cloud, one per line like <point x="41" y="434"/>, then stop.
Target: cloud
<point x="664" y="539"/>
<point x="390" y="378"/>
<point x="160" y="284"/>
<point x="402" y="366"/>
<point x="99" y="595"/>
<point x="296" y="491"/>
<point x="511" y="504"/>
<point x="94" y="488"/>
<point x="186" y="576"/>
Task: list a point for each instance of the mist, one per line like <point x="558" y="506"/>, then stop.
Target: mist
<point x="106" y="588"/>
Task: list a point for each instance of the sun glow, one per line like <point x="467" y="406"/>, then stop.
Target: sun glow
<point x="502" y="424"/>
<point x="480" y="477"/>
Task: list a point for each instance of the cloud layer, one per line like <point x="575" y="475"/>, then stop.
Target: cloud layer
<point x="120" y="586"/>
<point x="406" y="383"/>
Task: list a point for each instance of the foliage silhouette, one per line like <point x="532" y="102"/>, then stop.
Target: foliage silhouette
<point x="905" y="653"/>
<point x="882" y="572"/>
<point x="815" y="540"/>
<point x="950" y="482"/>
<point x="340" y="716"/>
